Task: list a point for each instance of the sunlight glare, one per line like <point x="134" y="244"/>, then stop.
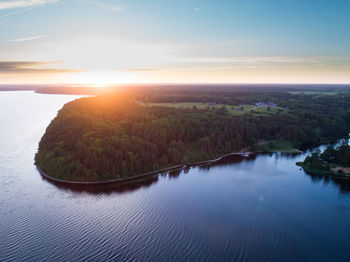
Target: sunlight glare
<point x="100" y="79"/>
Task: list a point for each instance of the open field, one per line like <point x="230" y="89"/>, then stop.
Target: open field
<point x="246" y="109"/>
<point x="276" y="146"/>
<point x="345" y="170"/>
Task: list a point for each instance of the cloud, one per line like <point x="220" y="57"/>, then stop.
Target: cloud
<point x="253" y="60"/>
<point x="196" y="9"/>
<point x="110" y="8"/>
<point x="140" y="69"/>
<point x="17" y="12"/>
<point x="272" y="62"/>
<point x="249" y="62"/>
<point x="15" y="67"/>
<point x="27" y="38"/>
<point x="24" y="3"/>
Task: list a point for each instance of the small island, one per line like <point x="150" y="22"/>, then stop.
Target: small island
<point x="333" y="161"/>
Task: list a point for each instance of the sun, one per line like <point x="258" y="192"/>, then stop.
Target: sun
<point x="100" y="79"/>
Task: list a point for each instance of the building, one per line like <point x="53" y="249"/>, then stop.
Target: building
<point x="266" y="104"/>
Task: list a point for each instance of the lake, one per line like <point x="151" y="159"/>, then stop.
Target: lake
<point x="261" y="208"/>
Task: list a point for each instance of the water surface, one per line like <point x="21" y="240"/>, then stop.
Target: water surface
<point x="263" y="208"/>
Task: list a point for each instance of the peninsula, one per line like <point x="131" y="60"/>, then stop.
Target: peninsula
<point x="118" y="136"/>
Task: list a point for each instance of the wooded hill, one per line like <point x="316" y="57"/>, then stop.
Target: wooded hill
<point x="111" y="136"/>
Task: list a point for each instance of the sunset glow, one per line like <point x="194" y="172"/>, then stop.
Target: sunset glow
<point x="108" y="42"/>
<point x="175" y="130"/>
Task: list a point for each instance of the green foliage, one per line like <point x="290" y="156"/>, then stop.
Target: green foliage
<point x="339" y="156"/>
<point x="109" y="137"/>
<point x="277" y="145"/>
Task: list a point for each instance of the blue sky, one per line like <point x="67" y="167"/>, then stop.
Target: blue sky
<point x="117" y="41"/>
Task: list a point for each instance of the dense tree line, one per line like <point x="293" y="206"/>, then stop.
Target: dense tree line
<point x="330" y="157"/>
<point x="108" y="137"/>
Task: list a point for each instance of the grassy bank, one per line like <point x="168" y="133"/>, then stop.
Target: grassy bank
<point x="276" y="146"/>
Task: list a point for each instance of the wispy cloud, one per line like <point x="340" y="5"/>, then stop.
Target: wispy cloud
<point x="109" y="7"/>
<point x="139" y="69"/>
<point x="251" y="61"/>
<point x="254" y="60"/>
<point x="196" y="9"/>
<point x="24" y="3"/>
<point x="17" y="12"/>
<point x="15" y="67"/>
<point x="27" y="38"/>
<point x="261" y="62"/>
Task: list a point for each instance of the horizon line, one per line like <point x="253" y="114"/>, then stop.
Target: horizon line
<point x="160" y="83"/>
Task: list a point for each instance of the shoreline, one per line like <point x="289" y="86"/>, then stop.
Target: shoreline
<point x="144" y="175"/>
<point x="320" y="172"/>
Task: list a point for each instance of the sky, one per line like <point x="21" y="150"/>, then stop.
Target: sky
<point x="165" y="41"/>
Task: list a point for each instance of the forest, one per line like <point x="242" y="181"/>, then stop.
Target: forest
<point x="330" y="161"/>
<point x="119" y="136"/>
